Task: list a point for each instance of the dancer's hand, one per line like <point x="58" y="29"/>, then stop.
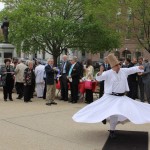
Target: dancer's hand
<point x="141" y="67"/>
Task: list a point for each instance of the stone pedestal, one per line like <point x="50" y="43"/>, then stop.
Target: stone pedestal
<point x="6" y="51"/>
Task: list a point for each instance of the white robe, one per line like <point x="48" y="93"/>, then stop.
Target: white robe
<point x="39" y="75"/>
<point x="122" y="106"/>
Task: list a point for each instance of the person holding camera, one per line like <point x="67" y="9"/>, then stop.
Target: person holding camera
<point x="51" y="73"/>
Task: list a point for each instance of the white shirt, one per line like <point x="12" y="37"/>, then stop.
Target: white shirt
<point x="117" y="82"/>
<point x="39" y="73"/>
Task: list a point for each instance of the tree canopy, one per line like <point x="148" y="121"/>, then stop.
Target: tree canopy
<point x="52" y="25"/>
<point x="140" y="16"/>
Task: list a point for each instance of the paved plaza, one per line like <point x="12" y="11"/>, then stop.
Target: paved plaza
<point x="35" y="126"/>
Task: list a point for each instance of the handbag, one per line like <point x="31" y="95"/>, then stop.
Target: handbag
<point x="88" y="85"/>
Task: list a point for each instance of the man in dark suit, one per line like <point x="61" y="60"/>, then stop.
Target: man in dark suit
<point x="64" y="70"/>
<point x="146" y="80"/>
<point x="132" y="81"/>
<point x="51" y="72"/>
<point x="140" y="81"/>
<point x="74" y="76"/>
<point x="106" y="67"/>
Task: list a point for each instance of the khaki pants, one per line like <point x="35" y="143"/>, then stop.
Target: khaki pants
<point x="50" y="94"/>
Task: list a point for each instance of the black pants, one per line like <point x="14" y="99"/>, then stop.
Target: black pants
<point x="45" y="89"/>
<point x="89" y="96"/>
<point x="64" y="86"/>
<point x="74" y="91"/>
<point x="28" y="92"/>
<point x="20" y="89"/>
<point x="133" y="86"/>
<point x="101" y="92"/>
<point x="141" y="88"/>
<point x="7" y="91"/>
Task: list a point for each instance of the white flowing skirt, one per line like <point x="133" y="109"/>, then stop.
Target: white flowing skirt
<point x="122" y="106"/>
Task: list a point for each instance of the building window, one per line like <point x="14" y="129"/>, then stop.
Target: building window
<point x="128" y="33"/>
<point x="7" y="55"/>
<point x="117" y="54"/>
<point x="138" y="54"/>
<point x="118" y="14"/>
<point x="129" y="14"/>
<point x="141" y="33"/>
<point x="126" y="53"/>
<point x="121" y="1"/>
<point x="101" y="55"/>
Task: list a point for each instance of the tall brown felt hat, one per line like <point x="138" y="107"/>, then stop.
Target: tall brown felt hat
<point x="112" y="60"/>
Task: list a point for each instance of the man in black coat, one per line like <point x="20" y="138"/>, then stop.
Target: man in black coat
<point x="132" y="81"/>
<point x="64" y="70"/>
<point x="140" y="80"/>
<point x="106" y="67"/>
<point x="74" y="76"/>
<point x="51" y="72"/>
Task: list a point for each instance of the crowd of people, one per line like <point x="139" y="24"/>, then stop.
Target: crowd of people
<point x="31" y="76"/>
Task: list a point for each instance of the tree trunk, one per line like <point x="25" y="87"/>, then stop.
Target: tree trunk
<point x="55" y="60"/>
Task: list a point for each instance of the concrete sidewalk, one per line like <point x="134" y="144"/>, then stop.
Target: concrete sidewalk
<point x="35" y="126"/>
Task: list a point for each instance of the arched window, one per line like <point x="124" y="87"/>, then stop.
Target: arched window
<point x="126" y="54"/>
<point x="138" y="54"/>
<point x="117" y="54"/>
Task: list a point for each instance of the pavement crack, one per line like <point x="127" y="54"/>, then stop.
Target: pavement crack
<point x="38" y="114"/>
<point x="41" y="132"/>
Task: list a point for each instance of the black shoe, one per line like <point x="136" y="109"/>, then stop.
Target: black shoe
<point x="11" y="99"/>
<point x="61" y="98"/>
<point x="19" y="97"/>
<point x="104" y="121"/>
<point x="69" y="101"/>
<point x="54" y="103"/>
<point x="48" y="104"/>
<point x="29" y="101"/>
<point x="112" y="134"/>
<point x="5" y="100"/>
<point x="74" y="102"/>
<point x="66" y="99"/>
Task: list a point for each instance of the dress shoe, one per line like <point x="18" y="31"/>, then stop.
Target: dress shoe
<point x="69" y="101"/>
<point x="19" y="97"/>
<point x="54" y="103"/>
<point x="112" y="134"/>
<point x="73" y="102"/>
<point x="48" y="104"/>
<point x="11" y="99"/>
<point x="104" y="121"/>
<point x="61" y="98"/>
<point x="65" y="99"/>
<point x="5" y="100"/>
<point x="29" y="101"/>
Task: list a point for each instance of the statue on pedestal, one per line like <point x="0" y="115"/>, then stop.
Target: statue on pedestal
<point x="4" y="27"/>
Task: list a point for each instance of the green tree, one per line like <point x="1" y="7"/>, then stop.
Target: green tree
<point x="52" y="25"/>
<point x="140" y="21"/>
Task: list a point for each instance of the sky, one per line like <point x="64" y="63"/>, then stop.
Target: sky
<point x="1" y="6"/>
